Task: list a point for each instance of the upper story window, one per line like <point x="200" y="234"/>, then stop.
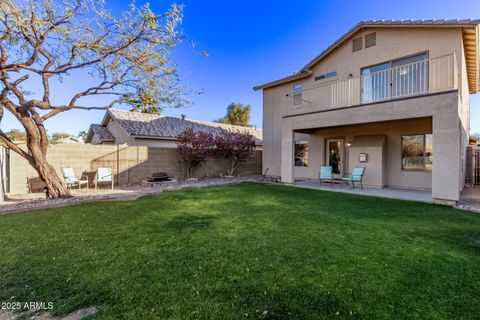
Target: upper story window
<point x="357" y="44"/>
<point x="297" y="94"/>
<point x="397" y="78"/>
<point x="328" y="75"/>
<point x="370" y="40"/>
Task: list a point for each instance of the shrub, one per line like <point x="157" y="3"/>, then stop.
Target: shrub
<point x="194" y="148"/>
<point x="236" y="147"/>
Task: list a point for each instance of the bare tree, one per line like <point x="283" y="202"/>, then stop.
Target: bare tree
<point x="127" y="56"/>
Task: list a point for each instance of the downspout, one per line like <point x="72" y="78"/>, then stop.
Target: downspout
<point x="118" y="164"/>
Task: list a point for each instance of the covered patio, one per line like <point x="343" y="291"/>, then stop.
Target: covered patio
<point x="412" y="144"/>
<point x="388" y="192"/>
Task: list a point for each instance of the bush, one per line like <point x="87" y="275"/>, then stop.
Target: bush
<point x="194" y="148"/>
<point x="236" y="147"/>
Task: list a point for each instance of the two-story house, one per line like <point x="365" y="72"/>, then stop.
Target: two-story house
<point x="391" y="96"/>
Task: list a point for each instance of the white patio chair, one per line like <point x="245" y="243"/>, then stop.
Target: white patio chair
<point x="71" y="180"/>
<point x="104" y="175"/>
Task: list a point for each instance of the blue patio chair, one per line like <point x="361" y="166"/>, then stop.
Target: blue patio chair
<point x="357" y="176"/>
<point x="326" y="174"/>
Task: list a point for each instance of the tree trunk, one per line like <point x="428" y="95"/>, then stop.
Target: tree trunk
<point x="56" y="187"/>
<point x="189" y="171"/>
<point x="231" y="170"/>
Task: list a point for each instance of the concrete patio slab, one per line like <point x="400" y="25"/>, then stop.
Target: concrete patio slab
<point x="391" y="193"/>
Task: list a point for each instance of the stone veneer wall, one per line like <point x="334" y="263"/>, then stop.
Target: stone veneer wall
<point x="130" y="164"/>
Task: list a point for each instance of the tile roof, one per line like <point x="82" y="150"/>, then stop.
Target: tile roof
<point x="423" y="21"/>
<point x="257" y="133"/>
<point x="70" y="140"/>
<point x="151" y="125"/>
<point x="372" y="23"/>
<point x="102" y="133"/>
<point x="140" y="125"/>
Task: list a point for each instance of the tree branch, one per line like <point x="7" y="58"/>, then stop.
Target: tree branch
<point x="58" y="109"/>
<point x="4" y="138"/>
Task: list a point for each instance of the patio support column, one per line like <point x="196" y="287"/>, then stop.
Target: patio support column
<point x="446" y="172"/>
<point x="287" y="152"/>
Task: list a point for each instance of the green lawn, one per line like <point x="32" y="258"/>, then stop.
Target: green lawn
<point x="246" y="251"/>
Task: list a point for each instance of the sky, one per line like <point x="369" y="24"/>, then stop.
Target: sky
<point x="252" y="42"/>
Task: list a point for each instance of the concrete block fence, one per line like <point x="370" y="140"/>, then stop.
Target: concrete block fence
<point x="130" y="164"/>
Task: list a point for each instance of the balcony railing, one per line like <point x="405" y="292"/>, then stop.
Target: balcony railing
<point x="412" y="79"/>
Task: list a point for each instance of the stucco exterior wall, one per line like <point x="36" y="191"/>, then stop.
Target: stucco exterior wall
<point x="442" y="108"/>
<point x="156" y="143"/>
<point x="448" y="112"/>
<point x="374" y="146"/>
<point x="130" y="164"/>
<point x="464" y="115"/>
<point x="382" y="143"/>
<point x="121" y="137"/>
<point x="95" y="139"/>
<point x="392" y="43"/>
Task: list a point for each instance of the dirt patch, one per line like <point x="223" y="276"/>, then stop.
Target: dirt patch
<point x="76" y="315"/>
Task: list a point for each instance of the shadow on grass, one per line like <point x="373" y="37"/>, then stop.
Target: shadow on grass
<point x="190" y="222"/>
<point x="288" y="302"/>
<point x="465" y="239"/>
<point x="176" y="256"/>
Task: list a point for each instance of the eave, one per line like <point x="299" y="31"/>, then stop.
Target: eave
<point x="471" y="48"/>
<point x="298" y="76"/>
<point x="469" y="26"/>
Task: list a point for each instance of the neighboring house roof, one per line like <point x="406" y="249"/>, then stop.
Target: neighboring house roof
<point x="143" y="125"/>
<point x="257" y="133"/>
<point x="70" y="140"/>
<point x="466" y="23"/>
<point x="100" y="131"/>
<point x="474" y="139"/>
<point x="146" y="125"/>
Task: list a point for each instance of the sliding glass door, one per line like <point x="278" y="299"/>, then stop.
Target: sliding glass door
<point x="409" y="76"/>
<point x="376" y="83"/>
<point x="397" y="78"/>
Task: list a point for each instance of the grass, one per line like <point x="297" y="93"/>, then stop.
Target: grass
<point x="247" y="251"/>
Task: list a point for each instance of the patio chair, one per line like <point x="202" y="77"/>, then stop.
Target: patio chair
<point x="71" y="180"/>
<point x="326" y="174"/>
<point x="104" y="175"/>
<point x="356" y="176"/>
<point x="35" y="184"/>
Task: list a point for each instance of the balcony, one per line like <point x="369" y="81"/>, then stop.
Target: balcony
<point x="417" y="78"/>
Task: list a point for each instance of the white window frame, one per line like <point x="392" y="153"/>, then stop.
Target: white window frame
<point x="297" y="94"/>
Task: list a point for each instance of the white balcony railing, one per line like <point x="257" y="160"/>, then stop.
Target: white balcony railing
<point x="412" y="79"/>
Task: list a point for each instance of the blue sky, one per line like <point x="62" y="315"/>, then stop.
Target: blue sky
<point x="252" y="42"/>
